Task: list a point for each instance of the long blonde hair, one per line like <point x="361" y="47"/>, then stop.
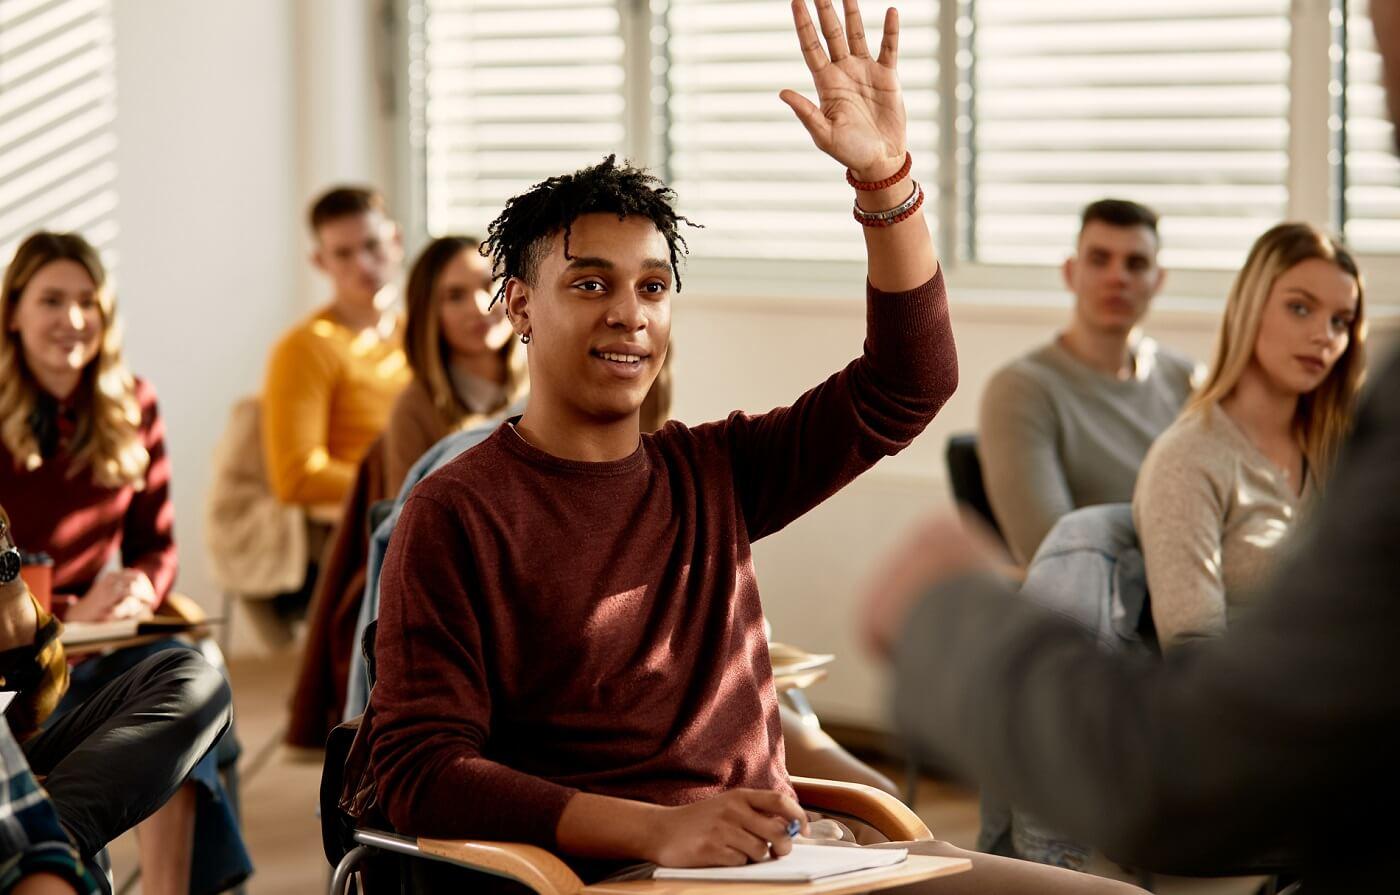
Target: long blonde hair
<point x="423" y="342"/>
<point x="108" y="437"/>
<point x="1324" y="415"/>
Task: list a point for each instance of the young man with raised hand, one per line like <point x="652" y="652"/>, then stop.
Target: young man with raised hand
<point x="1068" y="425"/>
<point x="571" y="648"/>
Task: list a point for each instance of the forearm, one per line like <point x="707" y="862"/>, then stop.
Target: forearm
<point x="997" y="689"/>
<point x="19" y="621"/>
<point x="594" y="826"/>
<point x="901" y="257"/>
<point x="312" y="477"/>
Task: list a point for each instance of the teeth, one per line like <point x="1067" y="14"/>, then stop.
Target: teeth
<point x="620" y="358"/>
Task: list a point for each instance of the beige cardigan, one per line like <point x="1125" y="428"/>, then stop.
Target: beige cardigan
<point x="1212" y="514"/>
<point x="415" y="425"/>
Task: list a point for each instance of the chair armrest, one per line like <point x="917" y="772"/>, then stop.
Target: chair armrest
<point x="179" y="606"/>
<point x="892" y="818"/>
<point x="527" y="864"/>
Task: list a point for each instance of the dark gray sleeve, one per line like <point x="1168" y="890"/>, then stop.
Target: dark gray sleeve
<point x="1222" y="750"/>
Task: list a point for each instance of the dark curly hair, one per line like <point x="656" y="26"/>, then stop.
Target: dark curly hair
<point x="519" y="239"/>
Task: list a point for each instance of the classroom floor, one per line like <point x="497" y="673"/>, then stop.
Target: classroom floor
<point x="279" y="792"/>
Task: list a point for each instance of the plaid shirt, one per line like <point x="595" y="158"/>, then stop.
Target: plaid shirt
<point x="31" y="840"/>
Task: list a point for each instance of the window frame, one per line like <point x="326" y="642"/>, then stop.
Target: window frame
<point x="1313" y="179"/>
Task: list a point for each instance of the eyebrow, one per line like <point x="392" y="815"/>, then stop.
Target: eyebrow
<point x="605" y="264"/>
<point x="1299" y="290"/>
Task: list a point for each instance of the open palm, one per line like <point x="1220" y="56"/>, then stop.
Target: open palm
<point x="860" y="121"/>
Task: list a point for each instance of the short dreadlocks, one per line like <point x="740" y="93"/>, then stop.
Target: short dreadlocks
<point x="519" y="239"/>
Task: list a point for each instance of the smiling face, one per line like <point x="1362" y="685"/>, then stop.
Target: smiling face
<point x="1306" y="326"/>
<point x="600" y="320"/>
<point x="1113" y="275"/>
<point x="58" y="320"/>
<point x="469" y="326"/>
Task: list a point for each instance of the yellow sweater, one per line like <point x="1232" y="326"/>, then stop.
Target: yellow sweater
<point x="328" y="395"/>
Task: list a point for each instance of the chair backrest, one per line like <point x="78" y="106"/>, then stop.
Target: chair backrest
<point x="965" y="475"/>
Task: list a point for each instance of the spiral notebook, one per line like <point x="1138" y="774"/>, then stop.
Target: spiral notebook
<point x="805" y="864"/>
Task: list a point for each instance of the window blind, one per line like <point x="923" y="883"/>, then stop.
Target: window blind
<point x="740" y="161"/>
<point x="1180" y="104"/>
<point x="515" y="91"/>
<point x="57" y="115"/>
<point x="1372" y="174"/>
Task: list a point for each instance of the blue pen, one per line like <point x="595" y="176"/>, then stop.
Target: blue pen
<point x="793" y="828"/>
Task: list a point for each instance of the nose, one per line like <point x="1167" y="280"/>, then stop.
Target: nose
<point x="626" y="313"/>
<point x="75" y="317"/>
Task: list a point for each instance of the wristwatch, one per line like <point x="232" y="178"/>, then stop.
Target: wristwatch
<point x="9" y="553"/>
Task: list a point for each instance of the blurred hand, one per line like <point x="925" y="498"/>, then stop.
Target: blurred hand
<point x="116" y="594"/>
<point x="936" y="550"/>
<point x="740" y="826"/>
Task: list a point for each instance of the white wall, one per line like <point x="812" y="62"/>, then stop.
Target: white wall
<point x="232" y="115"/>
<point x="210" y="209"/>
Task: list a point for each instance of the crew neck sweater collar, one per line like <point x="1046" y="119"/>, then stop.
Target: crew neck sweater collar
<point x="510" y="439"/>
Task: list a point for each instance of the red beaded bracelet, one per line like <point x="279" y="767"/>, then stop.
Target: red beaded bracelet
<point x="871" y="186"/>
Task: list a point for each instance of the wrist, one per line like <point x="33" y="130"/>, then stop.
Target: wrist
<point x="880" y="170"/>
<point x="13" y="590"/>
<point x="887" y="198"/>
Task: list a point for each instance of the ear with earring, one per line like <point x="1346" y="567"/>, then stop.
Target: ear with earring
<point x="525" y="338"/>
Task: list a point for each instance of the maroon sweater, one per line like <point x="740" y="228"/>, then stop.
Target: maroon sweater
<point x="548" y="626"/>
<point x="83" y="526"/>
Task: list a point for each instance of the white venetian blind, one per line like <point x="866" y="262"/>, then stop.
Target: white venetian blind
<point x="1180" y="104"/>
<point x="57" y="114"/>
<point x="740" y="161"/>
<point x="515" y="91"/>
<point x="1372" y="208"/>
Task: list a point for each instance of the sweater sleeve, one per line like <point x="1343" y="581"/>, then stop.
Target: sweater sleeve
<point x="792" y="458"/>
<point x="412" y="429"/>
<point x="296" y="424"/>
<point x="431" y="704"/>
<point x="1179" y="511"/>
<point x="148" y="531"/>
<point x="1018" y="444"/>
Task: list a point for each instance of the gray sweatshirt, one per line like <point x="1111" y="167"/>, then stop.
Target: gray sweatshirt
<point x="1056" y="434"/>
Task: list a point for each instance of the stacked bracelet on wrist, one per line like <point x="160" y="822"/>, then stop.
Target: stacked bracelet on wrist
<point x="903" y="211"/>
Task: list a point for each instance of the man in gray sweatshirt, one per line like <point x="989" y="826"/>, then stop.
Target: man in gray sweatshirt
<point x="1068" y="425"/>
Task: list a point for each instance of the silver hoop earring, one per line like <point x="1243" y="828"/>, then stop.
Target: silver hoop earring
<point x="524" y="338"/>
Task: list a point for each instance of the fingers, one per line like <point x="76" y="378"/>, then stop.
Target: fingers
<point x="777" y="804"/>
<point x="810" y="116"/>
<point x="831" y="28"/>
<point x="753" y="848"/>
<point x="855" y="30"/>
<point x="889" y="44"/>
<point x="812" y="52"/>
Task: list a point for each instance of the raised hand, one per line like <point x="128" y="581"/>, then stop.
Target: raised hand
<point x="861" y="120"/>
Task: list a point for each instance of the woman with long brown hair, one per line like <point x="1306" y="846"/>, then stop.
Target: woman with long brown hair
<point x="466" y="366"/>
<point x="83" y="470"/>
<point x="1222" y="487"/>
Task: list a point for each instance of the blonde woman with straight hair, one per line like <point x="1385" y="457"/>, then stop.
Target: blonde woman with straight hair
<point x="466" y="366"/>
<point x="1222" y="488"/>
<point x="84" y="475"/>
